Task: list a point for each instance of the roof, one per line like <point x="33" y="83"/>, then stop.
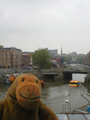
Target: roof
<point x="74" y="81"/>
<point x="11" y="48"/>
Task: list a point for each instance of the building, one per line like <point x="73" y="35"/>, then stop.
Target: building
<point x="26" y="59"/>
<point x="53" y="52"/>
<point x="10" y="58"/>
<point x="87" y="59"/>
<point x="73" y="56"/>
<point x="55" y="56"/>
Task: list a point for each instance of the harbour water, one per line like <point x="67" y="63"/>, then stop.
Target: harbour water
<point x="54" y="93"/>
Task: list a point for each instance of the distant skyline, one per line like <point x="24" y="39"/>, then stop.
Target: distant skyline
<point x="61" y="52"/>
<point x="33" y="24"/>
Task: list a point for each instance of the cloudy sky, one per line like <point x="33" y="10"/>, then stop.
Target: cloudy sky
<point x="33" y="24"/>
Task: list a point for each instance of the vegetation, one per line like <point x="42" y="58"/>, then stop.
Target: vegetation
<point x="13" y="47"/>
<point x="80" y="58"/>
<point x="41" y="58"/>
<point x="67" y="58"/>
<point x="1" y="46"/>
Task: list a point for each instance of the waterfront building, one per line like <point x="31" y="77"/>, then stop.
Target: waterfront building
<point x="26" y="59"/>
<point x="10" y="58"/>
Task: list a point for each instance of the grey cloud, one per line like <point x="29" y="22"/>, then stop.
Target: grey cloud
<point x="49" y="23"/>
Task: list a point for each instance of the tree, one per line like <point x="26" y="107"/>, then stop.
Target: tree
<point x="1" y="46"/>
<point x="41" y="58"/>
<point x="80" y="58"/>
<point x="67" y="58"/>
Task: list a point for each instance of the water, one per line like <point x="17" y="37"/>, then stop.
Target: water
<point x="53" y="94"/>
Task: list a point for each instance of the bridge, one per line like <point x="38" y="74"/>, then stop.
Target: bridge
<point x="75" y="71"/>
<point x="48" y="73"/>
<point x="55" y="72"/>
<point x="66" y="73"/>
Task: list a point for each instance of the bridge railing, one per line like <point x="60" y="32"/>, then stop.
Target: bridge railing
<point x="76" y="71"/>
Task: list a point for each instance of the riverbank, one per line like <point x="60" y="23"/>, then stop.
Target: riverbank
<point x="3" y="79"/>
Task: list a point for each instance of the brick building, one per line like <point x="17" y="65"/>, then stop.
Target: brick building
<point x="10" y="58"/>
<point x="26" y="59"/>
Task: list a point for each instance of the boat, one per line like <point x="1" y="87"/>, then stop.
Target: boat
<point x="74" y="83"/>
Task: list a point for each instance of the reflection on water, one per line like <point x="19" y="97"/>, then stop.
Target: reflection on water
<point x="53" y="94"/>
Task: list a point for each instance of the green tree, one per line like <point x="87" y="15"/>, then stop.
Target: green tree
<point x="41" y="58"/>
<point x="1" y="46"/>
<point x="80" y="58"/>
<point x="67" y="58"/>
